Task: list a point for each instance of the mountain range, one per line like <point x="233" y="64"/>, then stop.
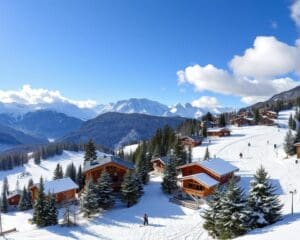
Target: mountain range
<point x="133" y="105"/>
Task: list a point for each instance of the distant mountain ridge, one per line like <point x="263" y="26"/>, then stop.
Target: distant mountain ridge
<point x="133" y="105"/>
<point x="285" y="96"/>
<point x="115" y="129"/>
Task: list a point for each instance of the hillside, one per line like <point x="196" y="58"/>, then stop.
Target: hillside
<point x="42" y="123"/>
<point x="115" y="129"/>
<point x="285" y="97"/>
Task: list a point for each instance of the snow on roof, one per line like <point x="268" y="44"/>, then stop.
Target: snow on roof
<point x="104" y="160"/>
<point x="217" y="129"/>
<point x="59" y="185"/>
<point x="204" y="179"/>
<point x="219" y="166"/>
<point x="165" y="160"/>
<point x="272" y="112"/>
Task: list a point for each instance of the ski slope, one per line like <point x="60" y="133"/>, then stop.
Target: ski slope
<point x="169" y="221"/>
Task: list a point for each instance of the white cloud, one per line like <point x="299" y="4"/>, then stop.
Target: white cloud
<point x="27" y="95"/>
<point x="205" y="102"/>
<point x="268" y="57"/>
<point x="255" y="76"/>
<point x="295" y="12"/>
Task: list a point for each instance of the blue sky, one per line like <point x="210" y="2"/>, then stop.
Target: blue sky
<point x="112" y="50"/>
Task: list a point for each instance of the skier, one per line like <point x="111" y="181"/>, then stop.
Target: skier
<point x="249" y="144"/>
<point x="241" y="155"/>
<point x="275" y="146"/>
<point x="145" y="219"/>
<point x="268" y="142"/>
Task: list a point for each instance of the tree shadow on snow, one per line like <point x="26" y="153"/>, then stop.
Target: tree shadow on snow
<point x="286" y="219"/>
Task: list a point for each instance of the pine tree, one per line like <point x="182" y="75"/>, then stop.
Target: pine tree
<point x="263" y="204"/>
<point x="80" y="180"/>
<point x="129" y="190"/>
<point x="105" y="191"/>
<point x="190" y="155"/>
<point x="291" y="122"/>
<point x="5" y="187"/>
<point x="140" y="185"/>
<point x="71" y="172"/>
<point x="58" y="172"/>
<point x="51" y="211"/>
<point x="30" y="183"/>
<point x="180" y="154"/>
<point x="25" y="201"/>
<point x="232" y="220"/>
<point x="90" y="151"/>
<point x="210" y="214"/>
<point x="89" y="200"/>
<point x="204" y="131"/>
<point x="40" y="207"/>
<point x="207" y="154"/>
<point x="142" y="165"/>
<point x="289" y="140"/>
<point x="222" y="122"/>
<point x="256" y="116"/>
<point x="297" y="136"/>
<point x="169" y="183"/>
<point x="37" y="158"/>
<point x="4" y="202"/>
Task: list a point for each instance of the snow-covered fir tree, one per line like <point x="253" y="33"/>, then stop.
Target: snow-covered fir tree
<point x="206" y="154"/>
<point x="140" y="184"/>
<point x="104" y="191"/>
<point x="51" y="211"/>
<point x="180" y="154"/>
<point x="232" y="219"/>
<point x="210" y="214"/>
<point x="90" y="151"/>
<point x="80" y="180"/>
<point x="264" y="205"/>
<point x="288" y="145"/>
<point x="4" y="202"/>
<point x="25" y="201"/>
<point x="40" y="206"/>
<point x="169" y="183"/>
<point x="142" y="165"/>
<point x="291" y="122"/>
<point x="71" y="172"/>
<point x="58" y="172"/>
<point x="89" y="200"/>
<point x="129" y="189"/>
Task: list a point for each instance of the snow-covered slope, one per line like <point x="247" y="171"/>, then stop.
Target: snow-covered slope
<point x="172" y="222"/>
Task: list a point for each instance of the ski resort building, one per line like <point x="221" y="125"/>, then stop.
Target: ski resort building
<point x="218" y="132"/>
<point x="242" y="121"/>
<point x="115" y="166"/>
<point x="270" y="114"/>
<point x="297" y="145"/>
<point x="14" y="197"/>
<point x="63" y="189"/>
<point x="191" y="141"/>
<point x="200" y="178"/>
<point x="160" y="163"/>
<point x="265" y="120"/>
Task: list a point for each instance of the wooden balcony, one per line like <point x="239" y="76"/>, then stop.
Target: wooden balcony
<point x="194" y="192"/>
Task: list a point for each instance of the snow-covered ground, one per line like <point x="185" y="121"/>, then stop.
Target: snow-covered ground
<point x="129" y="149"/>
<point x="169" y="221"/>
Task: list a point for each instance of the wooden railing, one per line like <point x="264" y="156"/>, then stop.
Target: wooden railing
<point x="193" y="191"/>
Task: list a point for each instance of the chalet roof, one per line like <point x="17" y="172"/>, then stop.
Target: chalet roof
<point x="216" y="165"/>
<point x="195" y="138"/>
<point x="164" y="159"/>
<point x="218" y="129"/>
<point x="88" y="165"/>
<point x="203" y="178"/>
<point x="272" y="112"/>
<point x="297" y="144"/>
<point x="59" y="185"/>
<point x="14" y="193"/>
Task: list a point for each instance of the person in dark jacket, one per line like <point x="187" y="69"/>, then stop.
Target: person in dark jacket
<point x="145" y="219"/>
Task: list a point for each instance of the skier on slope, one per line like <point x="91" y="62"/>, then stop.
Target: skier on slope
<point x="145" y="219"/>
<point x="241" y="155"/>
<point x="249" y="144"/>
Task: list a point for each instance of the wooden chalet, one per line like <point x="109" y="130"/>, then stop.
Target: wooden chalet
<point x="270" y="114"/>
<point x="160" y="163"/>
<point x="14" y="197"/>
<point x="266" y="121"/>
<point x="115" y="166"/>
<point x="200" y="178"/>
<point x="297" y="145"/>
<point x="200" y="184"/>
<point x="218" y="132"/>
<point x="191" y="141"/>
<point x="242" y="121"/>
<point x="63" y="189"/>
